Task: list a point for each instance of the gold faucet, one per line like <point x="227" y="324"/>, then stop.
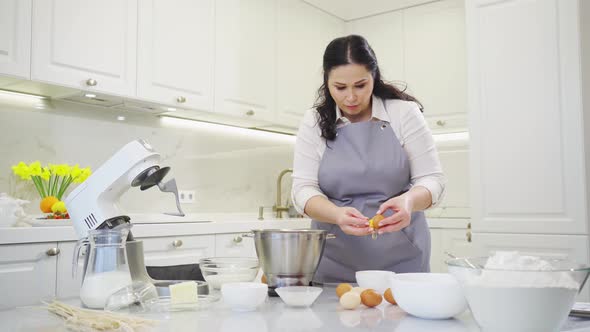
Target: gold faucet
<point x="277" y="207"/>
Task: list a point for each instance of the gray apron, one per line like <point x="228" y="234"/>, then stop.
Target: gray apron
<point x="363" y="167"/>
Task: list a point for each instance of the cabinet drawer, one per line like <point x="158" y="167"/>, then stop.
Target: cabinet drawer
<point x="176" y="250"/>
<point x="27" y="273"/>
<point x="234" y="245"/>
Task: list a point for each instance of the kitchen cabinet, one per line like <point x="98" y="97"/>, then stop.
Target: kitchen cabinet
<point x="300" y="49"/>
<point x="175" y="52"/>
<point x="15" y="38"/>
<point x="27" y="273"/>
<point x="177" y="250"/>
<point x="422" y="48"/>
<point x="384" y="32"/>
<point x="435" y="62"/>
<point x="89" y="45"/>
<point x="245" y="58"/>
<point x="453" y="153"/>
<point x="527" y="148"/>
<point x="455" y="241"/>
<point x="234" y="245"/>
<point x="529" y="184"/>
<point x="68" y="285"/>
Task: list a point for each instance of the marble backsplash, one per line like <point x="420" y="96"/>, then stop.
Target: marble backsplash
<point x="232" y="171"/>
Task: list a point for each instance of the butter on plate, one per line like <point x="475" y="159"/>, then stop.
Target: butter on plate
<point x="184" y="292"/>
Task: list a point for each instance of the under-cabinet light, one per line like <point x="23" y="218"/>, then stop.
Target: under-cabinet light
<point x="226" y="129"/>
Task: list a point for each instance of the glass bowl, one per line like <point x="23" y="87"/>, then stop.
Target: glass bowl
<point x="514" y="298"/>
<point x="220" y="270"/>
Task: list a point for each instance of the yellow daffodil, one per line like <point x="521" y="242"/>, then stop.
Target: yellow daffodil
<point x="46" y="174"/>
<point x="36" y="168"/>
<point x="22" y="170"/>
<point x="86" y="172"/>
<point x="52" y="180"/>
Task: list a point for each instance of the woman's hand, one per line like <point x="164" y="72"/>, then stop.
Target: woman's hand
<point x="402" y="214"/>
<point x="352" y="222"/>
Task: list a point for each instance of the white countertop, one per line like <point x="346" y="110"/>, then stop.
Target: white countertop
<point x="274" y="315"/>
<point x="156" y="225"/>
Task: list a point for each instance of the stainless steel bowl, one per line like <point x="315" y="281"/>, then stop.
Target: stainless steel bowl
<point x="289" y="257"/>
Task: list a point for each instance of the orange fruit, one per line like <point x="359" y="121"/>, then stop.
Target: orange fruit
<point x="388" y="295"/>
<point x="343" y="288"/>
<point x="47" y="203"/>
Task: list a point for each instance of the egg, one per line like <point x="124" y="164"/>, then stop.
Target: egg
<point x="343" y="288"/>
<point x="358" y="290"/>
<point x="388" y="295"/>
<point x="350" y="300"/>
<point x="370" y="298"/>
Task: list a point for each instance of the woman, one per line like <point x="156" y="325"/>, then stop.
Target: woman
<point x="364" y="150"/>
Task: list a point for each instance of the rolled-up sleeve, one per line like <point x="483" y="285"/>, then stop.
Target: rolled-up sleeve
<point x="418" y="143"/>
<point x="306" y="162"/>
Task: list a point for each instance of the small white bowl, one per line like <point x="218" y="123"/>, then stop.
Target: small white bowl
<point x="299" y="296"/>
<point x="374" y="279"/>
<point x="244" y="296"/>
<point x="429" y="295"/>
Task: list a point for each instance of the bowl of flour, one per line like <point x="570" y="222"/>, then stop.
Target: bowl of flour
<point x="512" y="292"/>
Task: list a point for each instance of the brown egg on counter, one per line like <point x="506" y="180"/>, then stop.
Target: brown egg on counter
<point x="343" y="288"/>
<point x="370" y="298"/>
<point x="388" y="295"/>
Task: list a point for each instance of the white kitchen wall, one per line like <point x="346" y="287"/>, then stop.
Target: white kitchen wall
<point x="229" y="171"/>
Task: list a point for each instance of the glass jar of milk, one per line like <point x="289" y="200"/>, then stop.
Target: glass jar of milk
<point x="107" y="270"/>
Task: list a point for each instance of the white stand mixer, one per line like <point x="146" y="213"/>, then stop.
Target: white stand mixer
<point x="96" y="199"/>
<point x="94" y="203"/>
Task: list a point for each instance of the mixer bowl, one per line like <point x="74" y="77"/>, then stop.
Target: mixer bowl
<point x="289" y="257"/>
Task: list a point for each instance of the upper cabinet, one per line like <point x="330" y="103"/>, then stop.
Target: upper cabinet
<point x="422" y="49"/>
<point x="15" y="38"/>
<point x="86" y="44"/>
<point x="528" y="173"/>
<point x="385" y="35"/>
<point x="175" y="52"/>
<point x="245" y="56"/>
<point x="435" y="62"/>
<point x="300" y="49"/>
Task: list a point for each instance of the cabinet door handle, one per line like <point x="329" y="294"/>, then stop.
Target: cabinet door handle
<point x="181" y="99"/>
<point x="441" y="123"/>
<point x="177" y="243"/>
<point x="468" y="234"/>
<point x="91" y="82"/>
<point x="237" y="239"/>
<point x="250" y="112"/>
<point x="53" y="252"/>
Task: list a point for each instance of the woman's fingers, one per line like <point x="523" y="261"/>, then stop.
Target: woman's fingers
<point x="357" y="231"/>
<point x="394" y="227"/>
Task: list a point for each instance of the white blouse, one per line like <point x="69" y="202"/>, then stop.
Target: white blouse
<point x="410" y="128"/>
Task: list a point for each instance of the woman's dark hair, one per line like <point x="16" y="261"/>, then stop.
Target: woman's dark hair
<point x="351" y="49"/>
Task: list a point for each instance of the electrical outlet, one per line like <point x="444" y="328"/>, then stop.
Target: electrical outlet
<point x="186" y="196"/>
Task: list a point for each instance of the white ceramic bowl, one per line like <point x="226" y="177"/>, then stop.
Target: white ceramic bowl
<point x="374" y="279"/>
<point x="299" y="296"/>
<point x="519" y="299"/>
<point x="244" y="296"/>
<point x="429" y="295"/>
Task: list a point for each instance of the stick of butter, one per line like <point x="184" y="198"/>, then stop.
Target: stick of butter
<point x="184" y="292"/>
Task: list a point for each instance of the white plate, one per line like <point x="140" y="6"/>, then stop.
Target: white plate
<point x="37" y="222"/>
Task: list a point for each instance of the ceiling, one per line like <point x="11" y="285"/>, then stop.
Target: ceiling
<point x="354" y="9"/>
